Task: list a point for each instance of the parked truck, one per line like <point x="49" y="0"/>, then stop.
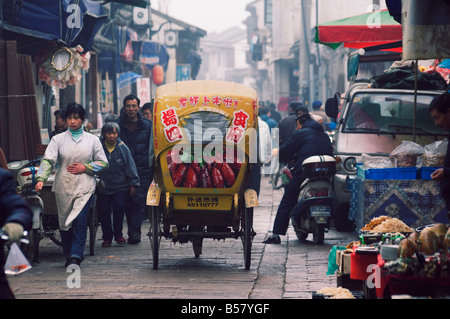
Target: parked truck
<point x="374" y="121"/>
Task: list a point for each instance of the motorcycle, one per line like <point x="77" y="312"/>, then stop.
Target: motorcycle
<point x="24" y="173"/>
<point x="313" y="211"/>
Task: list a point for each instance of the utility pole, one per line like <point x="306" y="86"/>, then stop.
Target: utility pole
<point x="306" y="76"/>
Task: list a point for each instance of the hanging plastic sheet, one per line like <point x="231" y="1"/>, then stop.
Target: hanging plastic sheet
<point x="153" y="53"/>
<point x="69" y="22"/>
<point x="126" y="79"/>
<point x="118" y="40"/>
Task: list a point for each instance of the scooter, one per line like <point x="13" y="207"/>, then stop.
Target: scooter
<point x="25" y="175"/>
<point x="313" y="211"/>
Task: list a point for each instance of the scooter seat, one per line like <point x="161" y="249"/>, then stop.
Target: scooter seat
<point x="319" y="159"/>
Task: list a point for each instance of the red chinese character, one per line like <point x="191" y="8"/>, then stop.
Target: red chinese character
<point x="193" y="100"/>
<point x="228" y="102"/>
<point x="183" y="102"/>
<point x="240" y="119"/>
<point x="216" y="100"/>
<point x="169" y="117"/>
<point x="234" y="134"/>
<point x="173" y="133"/>
<point x="206" y="100"/>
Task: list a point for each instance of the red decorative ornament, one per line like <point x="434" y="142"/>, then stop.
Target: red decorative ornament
<point x="158" y="75"/>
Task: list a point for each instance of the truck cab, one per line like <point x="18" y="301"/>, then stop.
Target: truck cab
<point x="375" y="121"/>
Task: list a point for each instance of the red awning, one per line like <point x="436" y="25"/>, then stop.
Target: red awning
<point x="360" y="31"/>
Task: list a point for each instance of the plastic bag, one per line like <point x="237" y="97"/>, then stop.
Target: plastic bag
<point x="286" y="175"/>
<point x="434" y="154"/>
<point x="370" y="161"/>
<point x="16" y="262"/>
<point x="405" y="155"/>
<point x="332" y="265"/>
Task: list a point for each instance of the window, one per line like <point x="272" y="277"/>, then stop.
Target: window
<point x="267" y="12"/>
<point x="390" y="114"/>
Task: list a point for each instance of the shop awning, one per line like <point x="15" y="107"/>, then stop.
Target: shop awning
<point x="69" y="22"/>
<point x="361" y="31"/>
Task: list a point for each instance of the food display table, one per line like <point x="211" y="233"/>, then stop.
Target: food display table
<point x="392" y="260"/>
<point x="416" y="202"/>
<point x="415" y="286"/>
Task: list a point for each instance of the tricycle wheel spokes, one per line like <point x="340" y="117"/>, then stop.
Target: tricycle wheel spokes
<point x="247" y="237"/>
<point x="31" y="250"/>
<point x="154" y="234"/>
<point x="55" y="237"/>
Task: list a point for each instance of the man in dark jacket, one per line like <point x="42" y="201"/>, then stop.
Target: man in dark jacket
<point x="286" y="127"/>
<point x="135" y="132"/>
<point x="440" y="111"/>
<point x="15" y="217"/>
<point x="308" y="140"/>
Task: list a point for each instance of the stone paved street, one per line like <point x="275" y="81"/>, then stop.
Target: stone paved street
<point x="292" y="270"/>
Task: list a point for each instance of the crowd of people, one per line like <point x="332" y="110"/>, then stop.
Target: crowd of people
<point x="118" y="167"/>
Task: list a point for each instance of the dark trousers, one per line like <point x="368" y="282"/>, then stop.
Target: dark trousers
<point x="254" y="179"/>
<point x="115" y="204"/>
<point x="136" y="210"/>
<point x="135" y="213"/>
<point x="287" y="203"/>
<point x="74" y="240"/>
<point x="5" y="290"/>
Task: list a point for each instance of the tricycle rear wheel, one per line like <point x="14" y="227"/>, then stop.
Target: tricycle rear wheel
<point x="154" y="234"/>
<point x="247" y="237"/>
<point x="93" y="227"/>
<point x="197" y="245"/>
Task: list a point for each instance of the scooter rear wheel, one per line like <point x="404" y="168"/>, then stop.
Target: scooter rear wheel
<point x="319" y="233"/>
<point x="301" y="235"/>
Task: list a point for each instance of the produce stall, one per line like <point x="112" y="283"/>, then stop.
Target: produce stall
<point x="393" y="260"/>
<point x="400" y="186"/>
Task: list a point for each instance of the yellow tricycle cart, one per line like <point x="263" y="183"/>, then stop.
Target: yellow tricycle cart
<point x="204" y="139"/>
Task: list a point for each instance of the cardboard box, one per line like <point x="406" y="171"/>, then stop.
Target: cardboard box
<point x="343" y="261"/>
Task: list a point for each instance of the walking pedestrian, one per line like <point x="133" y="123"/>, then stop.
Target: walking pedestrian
<point x="440" y="111"/>
<point x="322" y="117"/>
<point x="135" y="132"/>
<point x="118" y="181"/>
<point x="274" y="113"/>
<point x="264" y="114"/>
<point x="80" y="155"/>
<point x="147" y="110"/>
<point x="15" y="217"/>
<point x="60" y="123"/>
<point x="288" y="125"/>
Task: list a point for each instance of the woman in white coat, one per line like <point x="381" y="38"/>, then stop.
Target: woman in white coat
<point x="80" y="155"/>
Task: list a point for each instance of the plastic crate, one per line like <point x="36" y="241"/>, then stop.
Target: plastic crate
<point x="426" y="171"/>
<point x="397" y="173"/>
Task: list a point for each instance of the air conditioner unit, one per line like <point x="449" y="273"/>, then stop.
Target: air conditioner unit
<point x="140" y="16"/>
<point x="171" y="38"/>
